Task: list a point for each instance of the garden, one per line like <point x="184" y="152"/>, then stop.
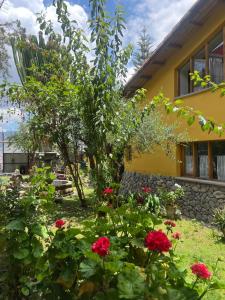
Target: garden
<point x="98" y="242"/>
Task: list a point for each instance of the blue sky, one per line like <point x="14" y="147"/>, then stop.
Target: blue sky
<point x="158" y="16"/>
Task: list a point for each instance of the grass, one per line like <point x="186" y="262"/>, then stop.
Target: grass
<point x="198" y="243"/>
<point x="4" y="180"/>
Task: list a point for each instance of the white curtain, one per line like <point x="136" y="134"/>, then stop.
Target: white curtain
<point x="188" y="164"/>
<point x="216" y="69"/>
<point x="203" y="166"/>
<point x="221" y="167"/>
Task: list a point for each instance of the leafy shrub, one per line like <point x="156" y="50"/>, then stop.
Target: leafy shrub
<point x="25" y="232"/>
<point x="219" y="218"/>
<point x="121" y="255"/>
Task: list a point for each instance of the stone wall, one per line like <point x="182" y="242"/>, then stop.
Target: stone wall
<point x="201" y="198"/>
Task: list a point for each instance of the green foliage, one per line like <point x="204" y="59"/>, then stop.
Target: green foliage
<point x="219" y="219"/>
<point x="144" y="49"/>
<point x="58" y="262"/>
<point x="25" y="231"/>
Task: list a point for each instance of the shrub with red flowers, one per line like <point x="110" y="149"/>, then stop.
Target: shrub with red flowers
<point x="170" y="223"/>
<point x="101" y="246"/>
<point x="176" y="235"/>
<point x="201" y="270"/>
<point x="146" y="189"/>
<point x="107" y="191"/>
<point x="59" y="223"/>
<point x="157" y="241"/>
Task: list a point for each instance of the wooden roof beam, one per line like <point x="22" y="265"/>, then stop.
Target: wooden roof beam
<point x="146" y="77"/>
<point x="159" y="62"/>
<point x="198" y="24"/>
<point x="175" y="45"/>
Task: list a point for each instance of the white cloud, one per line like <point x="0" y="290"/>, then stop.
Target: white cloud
<point x="159" y="17"/>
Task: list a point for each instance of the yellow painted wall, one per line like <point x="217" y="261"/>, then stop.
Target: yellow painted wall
<point x="211" y="105"/>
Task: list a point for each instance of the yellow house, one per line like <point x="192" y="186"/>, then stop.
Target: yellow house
<point x="196" y="43"/>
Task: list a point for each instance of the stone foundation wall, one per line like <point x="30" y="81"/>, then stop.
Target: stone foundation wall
<point x="200" y="200"/>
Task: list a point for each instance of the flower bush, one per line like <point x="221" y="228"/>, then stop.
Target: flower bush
<point x="157" y="241"/>
<point x="201" y="271"/>
<point x="123" y="255"/>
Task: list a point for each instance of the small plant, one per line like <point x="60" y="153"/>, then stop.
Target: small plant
<point x="219" y="218"/>
<point x="169" y="201"/>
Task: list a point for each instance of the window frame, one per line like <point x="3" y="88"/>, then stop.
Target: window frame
<point x="195" y="160"/>
<point x="190" y="58"/>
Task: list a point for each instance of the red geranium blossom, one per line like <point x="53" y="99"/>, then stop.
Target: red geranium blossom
<point x="146" y="189"/>
<point x="157" y="241"/>
<point x="170" y="223"/>
<point x="176" y="235"/>
<point x="59" y="223"/>
<point x="201" y="270"/>
<point x="101" y="246"/>
<point x="107" y="191"/>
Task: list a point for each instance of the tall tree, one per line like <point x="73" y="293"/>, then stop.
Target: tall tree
<point x="144" y="49"/>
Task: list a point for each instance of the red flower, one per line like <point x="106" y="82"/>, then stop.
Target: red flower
<point x="146" y="189"/>
<point x="170" y="223"/>
<point x="107" y="191"/>
<point x="176" y="235"/>
<point x="201" y="270"/>
<point x="59" y="223"/>
<point x="101" y="246"/>
<point x="157" y="241"/>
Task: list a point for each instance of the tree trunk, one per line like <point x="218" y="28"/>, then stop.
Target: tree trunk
<point x="76" y="179"/>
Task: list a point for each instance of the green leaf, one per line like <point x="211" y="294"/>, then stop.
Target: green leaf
<point x="182" y="294"/>
<point x="217" y="284"/>
<point x="113" y="266"/>
<point x="107" y="295"/>
<point x="25" y="291"/>
<point x="88" y="268"/>
<point x="131" y="284"/>
<point x="16" y="225"/>
<point x="21" y="253"/>
<point x="37" y="248"/>
<point x="40" y="230"/>
<point x="191" y="120"/>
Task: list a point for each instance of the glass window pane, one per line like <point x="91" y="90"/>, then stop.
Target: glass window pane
<point x="188" y="159"/>
<point x="199" y="61"/>
<point x="218" y="153"/>
<point x="202" y="159"/>
<point x="184" y="79"/>
<point x="216" y="51"/>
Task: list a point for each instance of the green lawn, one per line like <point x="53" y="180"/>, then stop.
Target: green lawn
<point x="199" y="243"/>
<point x="4" y="180"/>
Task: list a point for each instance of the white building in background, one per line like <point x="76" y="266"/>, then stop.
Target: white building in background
<point x="11" y="158"/>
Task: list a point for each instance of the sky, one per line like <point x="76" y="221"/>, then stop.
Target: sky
<point x="158" y="16"/>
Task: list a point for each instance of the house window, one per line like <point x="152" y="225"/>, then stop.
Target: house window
<point x="216" y="58"/>
<point x="188" y="159"/>
<point x="199" y="64"/>
<point x="184" y="79"/>
<point x="209" y="60"/>
<point x="218" y="160"/>
<point x="204" y="160"/>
